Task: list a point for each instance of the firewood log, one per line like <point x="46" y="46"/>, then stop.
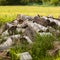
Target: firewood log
<point x="6" y="44"/>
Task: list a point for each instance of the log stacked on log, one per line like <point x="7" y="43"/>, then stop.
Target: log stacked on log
<point x="27" y="27"/>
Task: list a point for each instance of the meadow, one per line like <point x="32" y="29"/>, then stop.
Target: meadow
<point x="8" y="13"/>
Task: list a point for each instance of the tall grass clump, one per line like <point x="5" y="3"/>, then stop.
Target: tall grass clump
<point x="40" y="47"/>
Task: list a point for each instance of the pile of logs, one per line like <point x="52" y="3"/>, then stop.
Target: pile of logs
<point x="27" y="27"/>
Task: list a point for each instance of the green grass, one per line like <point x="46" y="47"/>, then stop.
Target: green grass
<point x="8" y="13"/>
